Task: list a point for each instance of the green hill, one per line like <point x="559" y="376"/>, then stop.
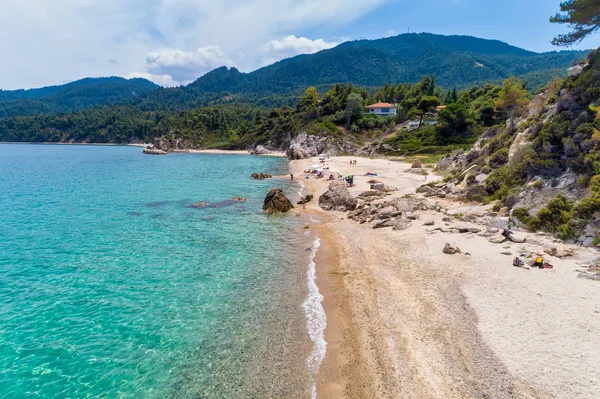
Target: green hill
<point x="457" y="61"/>
<point x="74" y="96"/>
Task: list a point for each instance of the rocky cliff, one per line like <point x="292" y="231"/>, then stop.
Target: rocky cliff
<point x="545" y="171"/>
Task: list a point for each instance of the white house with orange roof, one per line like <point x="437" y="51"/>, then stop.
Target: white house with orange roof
<point x="381" y="109"/>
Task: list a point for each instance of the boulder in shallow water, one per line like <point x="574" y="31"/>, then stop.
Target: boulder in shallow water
<point x="276" y="201"/>
<point x="237" y="198"/>
<point x="150" y="150"/>
<point x="261" y="176"/>
<point x="337" y="198"/>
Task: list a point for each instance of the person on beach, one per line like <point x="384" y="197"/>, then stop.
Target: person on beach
<point x="291" y="176"/>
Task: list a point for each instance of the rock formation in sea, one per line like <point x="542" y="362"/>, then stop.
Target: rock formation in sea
<point x="150" y="150"/>
<point x="276" y="201"/>
<point x="261" y="176"/>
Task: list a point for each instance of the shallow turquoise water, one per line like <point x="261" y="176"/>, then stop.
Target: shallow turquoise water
<point x="111" y="285"/>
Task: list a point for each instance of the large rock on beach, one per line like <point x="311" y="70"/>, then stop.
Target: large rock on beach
<point x="427" y="191"/>
<point x="401" y="224"/>
<point x="306" y="199"/>
<point x="518" y="238"/>
<point x="337" y="198"/>
<point x="263" y="150"/>
<point x="451" y="249"/>
<point x="306" y="145"/>
<point x="276" y="201"/>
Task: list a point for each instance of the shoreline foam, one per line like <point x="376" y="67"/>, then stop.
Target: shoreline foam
<point x="316" y="319"/>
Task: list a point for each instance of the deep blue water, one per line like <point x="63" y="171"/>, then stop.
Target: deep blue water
<point x="113" y="285"/>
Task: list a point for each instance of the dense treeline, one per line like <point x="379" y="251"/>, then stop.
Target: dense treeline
<point x="74" y="96"/>
<point x="340" y="110"/>
<point x="125" y="124"/>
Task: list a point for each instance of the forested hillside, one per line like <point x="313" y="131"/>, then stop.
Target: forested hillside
<point x="74" y="96"/>
<point x="337" y="112"/>
<point x="456" y="61"/>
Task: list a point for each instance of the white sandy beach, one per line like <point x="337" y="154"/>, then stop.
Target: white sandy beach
<point x="406" y="320"/>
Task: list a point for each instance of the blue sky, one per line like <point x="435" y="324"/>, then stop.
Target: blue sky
<point x="175" y="41"/>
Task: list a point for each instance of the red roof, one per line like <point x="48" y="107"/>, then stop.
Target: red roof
<point x="381" y="105"/>
<point x="440" y="107"/>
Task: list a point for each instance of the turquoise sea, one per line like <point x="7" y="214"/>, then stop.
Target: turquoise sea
<point x="113" y="286"/>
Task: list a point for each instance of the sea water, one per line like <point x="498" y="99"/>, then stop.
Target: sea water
<point x="113" y="285"/>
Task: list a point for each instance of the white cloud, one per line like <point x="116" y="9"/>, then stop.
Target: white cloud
<point x="62" y="40"/>
<point x="291" y="45"/>
<point x="185" y="66"/>
<point x="162" y="80"/>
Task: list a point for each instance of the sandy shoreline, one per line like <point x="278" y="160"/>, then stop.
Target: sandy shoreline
<point x="230" y="152"/>
<point x="405" y="320"/>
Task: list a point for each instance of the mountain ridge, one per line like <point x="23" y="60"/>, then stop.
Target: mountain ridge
<point x="456" y="61"/>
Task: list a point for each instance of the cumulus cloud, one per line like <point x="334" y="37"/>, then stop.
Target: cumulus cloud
<point x="291" y="45"/>
<point x="67" y="39"/>
<point x="162" y="80"/>
<point x="185" y="66"/>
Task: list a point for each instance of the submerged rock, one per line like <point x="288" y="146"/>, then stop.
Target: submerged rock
<point x="337" y="198"/>
<point x="261" y="176"/>
<point x="200" y="204"/>
<point x="276" y="201"/>
<point x="237" y="198"/>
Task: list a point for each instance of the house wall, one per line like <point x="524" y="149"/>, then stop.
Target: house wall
<point x="382" y="111"/>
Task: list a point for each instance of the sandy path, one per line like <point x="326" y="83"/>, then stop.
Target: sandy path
<point x="405" y="320"/>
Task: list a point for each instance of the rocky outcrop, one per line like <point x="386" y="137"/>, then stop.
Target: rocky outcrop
<point x="306" y="199"/>
<point x="416" y="164"/>
<point x="261" y="176"/>
<point x="276" y="201"/>
<point x="170" y="143"/>
<point x="306" y="146"/>
<point x="337" y="198"/>
<point x="154" y="151"/>
<point x="262" y="150"/>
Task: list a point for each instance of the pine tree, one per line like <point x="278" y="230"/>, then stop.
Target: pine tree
<point x="512" y="100"/>
<point x="582" y="15"/>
